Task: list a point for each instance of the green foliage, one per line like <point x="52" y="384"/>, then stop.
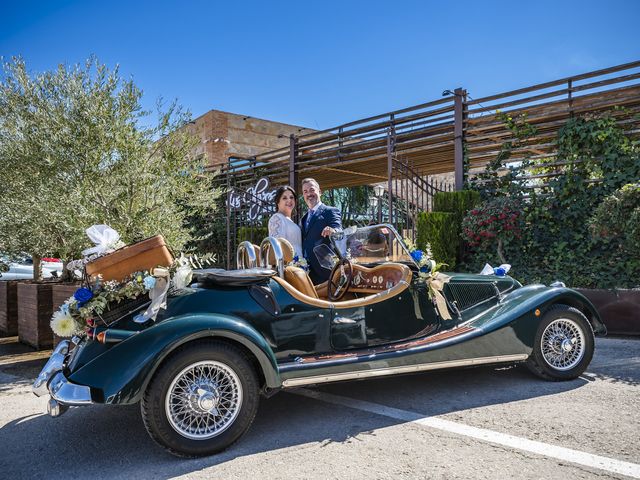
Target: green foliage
<point x="254" y="235"/>
<point x="556" y="241"/>
<point x="209" y="230"/>
<point x="353" y="203"/>
<point x="617" y="220"/>
<point x="440" y="230"/>
<point x="75" y="151"/>
<point x="494" y="225"/>
<point x="199" y="262"/>
<point x="495" y="180"/>
<point x="458" y="203"/>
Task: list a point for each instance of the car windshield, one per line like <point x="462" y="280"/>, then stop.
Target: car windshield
<point x="367" y="245"/>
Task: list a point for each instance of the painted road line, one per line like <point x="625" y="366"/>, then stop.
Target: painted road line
<point x="547" y="450"/>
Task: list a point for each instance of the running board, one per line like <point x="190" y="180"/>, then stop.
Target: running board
<point x="380" y="372"/>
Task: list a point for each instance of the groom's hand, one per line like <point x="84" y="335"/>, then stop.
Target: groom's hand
<point x="327" y="231"/>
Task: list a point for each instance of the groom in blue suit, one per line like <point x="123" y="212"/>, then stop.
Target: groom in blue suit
<point x="317" y="224"/>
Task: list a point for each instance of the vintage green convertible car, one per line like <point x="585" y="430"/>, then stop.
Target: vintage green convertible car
<point x="198" y="370"/>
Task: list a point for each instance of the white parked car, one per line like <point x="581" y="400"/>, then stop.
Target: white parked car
<point x="22" y="268"/>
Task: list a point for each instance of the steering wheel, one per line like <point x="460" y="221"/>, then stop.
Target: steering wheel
<point x="336" y="291"/>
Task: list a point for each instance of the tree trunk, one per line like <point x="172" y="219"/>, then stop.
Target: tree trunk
<point x="500" y="253"/>
<point x="67" y="275"/>
<point x="37" y="267"/>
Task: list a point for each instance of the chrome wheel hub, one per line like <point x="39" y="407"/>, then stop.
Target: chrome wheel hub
<point x="203" y="400"/>
<point x="567" y="345"/>
<point x="563" y="344"/>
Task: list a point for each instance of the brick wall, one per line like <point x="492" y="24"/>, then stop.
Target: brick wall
<point x="225" y="135"/>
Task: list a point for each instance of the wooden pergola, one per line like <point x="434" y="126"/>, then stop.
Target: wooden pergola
<point x="432" y="138"/>
<point x="454" y="134"/>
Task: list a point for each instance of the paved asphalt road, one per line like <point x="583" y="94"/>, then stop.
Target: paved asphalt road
<point x="493" y="423"/>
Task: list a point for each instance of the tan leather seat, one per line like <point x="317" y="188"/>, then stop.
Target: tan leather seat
<point x="287" y="252"/>
<point x="380" y="296"/>
<point x="299" y="279"/>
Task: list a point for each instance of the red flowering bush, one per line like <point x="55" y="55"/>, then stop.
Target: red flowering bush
<point x="493" y="224"/>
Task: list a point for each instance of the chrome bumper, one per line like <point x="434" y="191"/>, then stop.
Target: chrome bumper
<point x="53" y="382"/>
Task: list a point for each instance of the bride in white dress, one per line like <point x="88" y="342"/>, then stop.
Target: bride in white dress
<point x="280" y="223"/>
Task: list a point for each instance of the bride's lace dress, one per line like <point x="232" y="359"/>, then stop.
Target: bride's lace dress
<point x="283" y="227"/>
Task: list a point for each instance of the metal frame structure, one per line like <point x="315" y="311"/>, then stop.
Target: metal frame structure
<point x="403" y="149"/>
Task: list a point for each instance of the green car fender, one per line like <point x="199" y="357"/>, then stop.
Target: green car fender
<point x="121" y="374"/>
<point x="523" y="303"/>
<point x="567" y="296"/>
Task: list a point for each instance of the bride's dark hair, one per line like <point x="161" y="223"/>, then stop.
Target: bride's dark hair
<point x="281" y="192"/>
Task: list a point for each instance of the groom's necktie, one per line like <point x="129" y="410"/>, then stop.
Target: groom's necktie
<point x="308" y="221"/>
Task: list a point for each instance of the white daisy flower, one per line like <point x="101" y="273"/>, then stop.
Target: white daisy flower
<point x="63" y="324"/>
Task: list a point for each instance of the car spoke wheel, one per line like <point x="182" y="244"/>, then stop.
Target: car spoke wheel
<point x="204" y="400"/>
<point x="201" y="399"/>
<point x="563" y="345"/>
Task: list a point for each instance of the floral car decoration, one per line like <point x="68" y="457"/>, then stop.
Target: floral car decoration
<point x="200" y="356"/>
<point x="84" y="310"/>
<point x="428" y="272"/>
<point x="87" y="304"/>
<point x="300" y="262"/>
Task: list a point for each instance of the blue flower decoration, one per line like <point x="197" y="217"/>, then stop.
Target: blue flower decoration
<point x="425" y="269"/>
<point x="417" y="255"/>
<point x="499" y="271"/>
<point x="296" y="259"/>
<point x="82" y="296"/>
<point x="149" y="282"/>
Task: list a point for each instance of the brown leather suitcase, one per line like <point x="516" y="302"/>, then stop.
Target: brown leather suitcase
<point x="143" y="255"/>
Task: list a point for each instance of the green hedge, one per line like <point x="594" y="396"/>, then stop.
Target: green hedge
<point x="442" y="227"/>
<point x="253" y="234"/>
<point x="458" y="203"/>
<point x="440" y="230"/>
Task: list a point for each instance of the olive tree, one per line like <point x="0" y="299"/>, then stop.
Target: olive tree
<point x="77" y="149"/>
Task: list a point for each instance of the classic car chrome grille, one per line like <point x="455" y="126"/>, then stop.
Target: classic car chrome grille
<point x="469" y="294"/>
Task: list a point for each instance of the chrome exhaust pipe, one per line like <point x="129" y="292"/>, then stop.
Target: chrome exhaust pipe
<point x="55" y="408"/>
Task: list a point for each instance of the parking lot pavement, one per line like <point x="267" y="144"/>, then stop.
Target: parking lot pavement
<point x="475" y="423"/>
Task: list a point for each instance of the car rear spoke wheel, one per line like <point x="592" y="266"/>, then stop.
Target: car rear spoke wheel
<point x="203" y="400"/>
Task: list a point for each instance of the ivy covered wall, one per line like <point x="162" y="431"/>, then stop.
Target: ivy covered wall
<point x="555" y="240"/>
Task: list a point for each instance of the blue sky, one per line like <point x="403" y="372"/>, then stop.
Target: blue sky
<point x="319" y="64"/>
